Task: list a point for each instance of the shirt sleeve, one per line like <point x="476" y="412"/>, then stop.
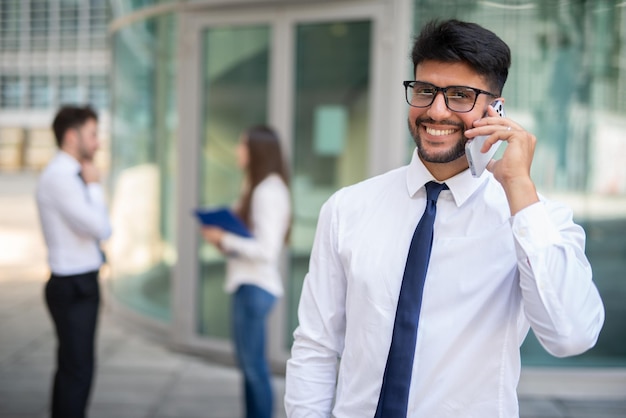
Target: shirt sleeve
<point x="270" y="219"/>
<point x="318" y="341"/>
<point x="560" y="299"/>
<point x="82" y="206"/>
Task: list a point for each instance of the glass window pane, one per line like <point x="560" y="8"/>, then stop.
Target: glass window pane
<point x="68" y="24"/>
<point x="235" y="89"/>
<point x="98" y="19"/>
<point x="40" y="92"/>
<point x="10" y="25"/>
<point x="566" y="85"/>
<point x="39" y="24"/>
<point x="11" y="91"/>
<point x="69" y="92"/>
<point x="331" y="129"/>
<point x="98" y="91"/>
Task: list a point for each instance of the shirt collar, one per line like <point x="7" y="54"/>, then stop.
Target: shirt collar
<point x="462" y="185"/>
<point x="68" y="161"/>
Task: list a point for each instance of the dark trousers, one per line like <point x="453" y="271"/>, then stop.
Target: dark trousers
<point x="73" y="302"/>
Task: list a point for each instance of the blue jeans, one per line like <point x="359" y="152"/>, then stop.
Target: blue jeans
<point x="251" y="306"/>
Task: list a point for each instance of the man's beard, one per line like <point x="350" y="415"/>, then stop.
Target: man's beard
<point x="84" y="152"/>
<point x="456" y="152"/>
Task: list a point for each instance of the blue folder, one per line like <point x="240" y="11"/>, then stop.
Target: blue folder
<point x="225" y="219"/>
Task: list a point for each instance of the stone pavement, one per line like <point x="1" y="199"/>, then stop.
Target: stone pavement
<point x="137" y="377"/>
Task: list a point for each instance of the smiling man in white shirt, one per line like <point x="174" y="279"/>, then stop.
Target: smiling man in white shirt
<point x="504" y="259"/>
<point x="74" y="219"/>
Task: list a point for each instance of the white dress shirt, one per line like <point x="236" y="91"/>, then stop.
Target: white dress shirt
<point x="256" y="260"/>
<point x="491" y="277"/>
<point x="73" y="215"/>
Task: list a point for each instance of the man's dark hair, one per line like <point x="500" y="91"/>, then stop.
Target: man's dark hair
<point x="71" y="117"/>
<point x="456" y="41"/>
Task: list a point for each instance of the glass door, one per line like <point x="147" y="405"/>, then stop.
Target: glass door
<point x="306" y="70"/>
<point x="329" y="140"/>
<point x="331" y="94"/>
<point x="235" y="96"/>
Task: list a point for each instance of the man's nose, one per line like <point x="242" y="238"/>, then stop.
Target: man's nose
<point x="438" y="109"/>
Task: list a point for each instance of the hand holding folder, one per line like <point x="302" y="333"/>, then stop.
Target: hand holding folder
<point x="223" y="218"/>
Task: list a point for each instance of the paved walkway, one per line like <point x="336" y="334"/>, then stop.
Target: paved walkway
<point x="137" y="377"/>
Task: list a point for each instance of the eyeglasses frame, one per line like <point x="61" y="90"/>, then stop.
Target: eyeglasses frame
<point x="407" y="84"/>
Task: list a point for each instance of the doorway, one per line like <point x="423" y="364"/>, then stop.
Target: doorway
<point x="309" y="72"/>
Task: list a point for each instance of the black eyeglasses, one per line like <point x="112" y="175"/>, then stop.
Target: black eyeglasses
<point x="458" y="98"/>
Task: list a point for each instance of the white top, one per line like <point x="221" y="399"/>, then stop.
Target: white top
<point x="73" y="215"/>
<point x="491" y="277"/>
<point x="256" y="260"/>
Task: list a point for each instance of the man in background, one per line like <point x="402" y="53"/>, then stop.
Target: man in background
<point x="74" y="219"/>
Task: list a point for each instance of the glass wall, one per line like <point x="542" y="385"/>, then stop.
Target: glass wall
<point x="143" y="171"/>
<point x="330" y="150"/>
<point x="235" y="94"/>
<point x="567" y="85"/>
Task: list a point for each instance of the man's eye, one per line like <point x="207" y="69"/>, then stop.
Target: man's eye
<point x="460" y="94"/>
<point x="424" y="91"/>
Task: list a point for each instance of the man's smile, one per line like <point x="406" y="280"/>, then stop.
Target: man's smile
<point x="439" y="132"/>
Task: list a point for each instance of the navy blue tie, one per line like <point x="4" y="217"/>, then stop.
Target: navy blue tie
<point x="394" y="394"/>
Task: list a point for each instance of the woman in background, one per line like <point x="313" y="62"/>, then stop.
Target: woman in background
<point x="252" y="270"/>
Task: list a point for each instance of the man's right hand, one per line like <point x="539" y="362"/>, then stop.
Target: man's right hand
<point x="90" y="172"/>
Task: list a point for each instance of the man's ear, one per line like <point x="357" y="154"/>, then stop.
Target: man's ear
<point x="69" y="139"/>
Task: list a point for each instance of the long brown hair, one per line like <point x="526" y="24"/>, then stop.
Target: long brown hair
<point x="265" y="158"/>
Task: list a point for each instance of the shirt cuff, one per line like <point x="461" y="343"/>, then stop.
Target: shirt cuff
<point x="230" y="244"/>
<point x="533" y="231"/>
<point x="96" y="193"/>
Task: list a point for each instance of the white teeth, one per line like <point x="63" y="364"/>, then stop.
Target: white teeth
<point x="439" y="132"/>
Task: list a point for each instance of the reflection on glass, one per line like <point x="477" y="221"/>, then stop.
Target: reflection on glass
<point x="566" y="86"/>
<point x="331" y="130"/>
<point x="141" y="250"/>
<point x="235" y="90"/>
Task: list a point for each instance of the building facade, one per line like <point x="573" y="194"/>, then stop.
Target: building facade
<point x="189" y="76"/>
<point x="52" y="52"/>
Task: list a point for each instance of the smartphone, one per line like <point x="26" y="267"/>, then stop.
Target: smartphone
<point x="476" y="159"/>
